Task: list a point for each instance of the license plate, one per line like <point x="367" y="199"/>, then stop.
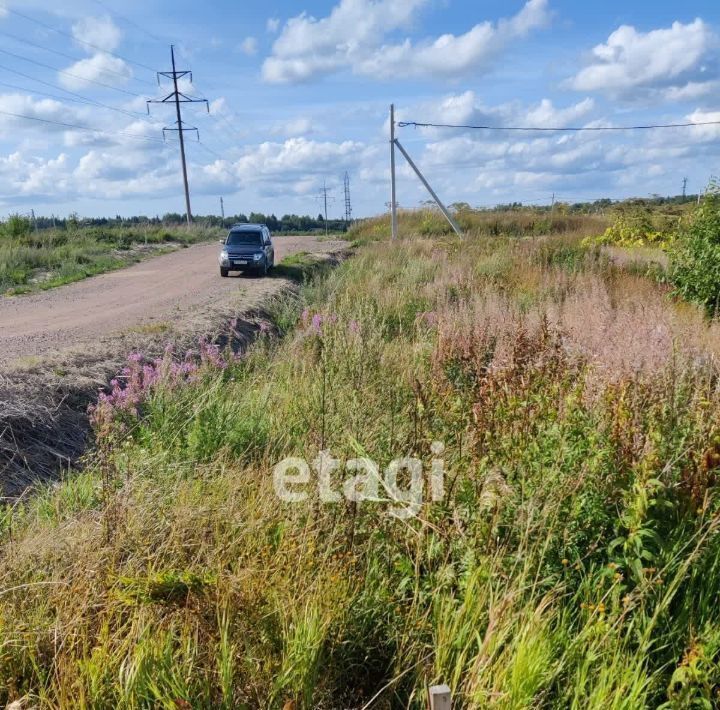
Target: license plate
<point x="241" y="263"/>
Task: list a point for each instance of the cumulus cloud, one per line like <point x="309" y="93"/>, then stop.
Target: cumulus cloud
<point x="294" y="127"/>
<point x="675" y="63"/>
<point x="273" y="25"/>
<point x="23" y="105"/>
<point x="100" y="31"/>
<point x="467" y="109"/>
<point x="99" y="36"/>
<point x="352" y="37"/>
<point x="100" y="67"/>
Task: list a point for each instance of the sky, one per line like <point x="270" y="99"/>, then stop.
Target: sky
<point x="299" y="94"/>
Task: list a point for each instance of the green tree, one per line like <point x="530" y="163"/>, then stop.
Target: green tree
<point x="695" y="257"/>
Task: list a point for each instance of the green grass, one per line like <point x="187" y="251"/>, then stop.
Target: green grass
<point x="573" y="563"/>
<point x="33" y="261"/>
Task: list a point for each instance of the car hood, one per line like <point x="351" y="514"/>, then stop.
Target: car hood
<point x="242" y="249"/>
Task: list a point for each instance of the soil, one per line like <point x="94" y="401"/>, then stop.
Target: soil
<point x="59" y="347"/>
<point x="156" y="291"/>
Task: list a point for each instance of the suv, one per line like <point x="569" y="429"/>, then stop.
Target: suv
<point x="247" y="247"/>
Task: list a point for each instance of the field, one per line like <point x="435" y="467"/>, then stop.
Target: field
<point x="571" y="402"/>
<point x="34" y="260"/>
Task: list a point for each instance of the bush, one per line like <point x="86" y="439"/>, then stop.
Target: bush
<point x="639" y="227"/>
<point x="17" y="227"/>
<point x="695" y="258"/>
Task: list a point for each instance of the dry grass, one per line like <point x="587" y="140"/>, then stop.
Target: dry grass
<point x="573" y="563"/>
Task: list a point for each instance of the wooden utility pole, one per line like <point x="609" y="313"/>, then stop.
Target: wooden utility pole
<point x="393" y="196"/>
<point x="177" y="97"/>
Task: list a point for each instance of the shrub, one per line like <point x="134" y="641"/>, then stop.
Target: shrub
<point x="695" y="258"/>
<point x="639" y="227"/>
<point x="17" y="227"/>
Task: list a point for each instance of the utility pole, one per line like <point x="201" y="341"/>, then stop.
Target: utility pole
<point x="348" y="204"/>
<point x="393" y="200"/>
<point x="395" y="143"/>
<point x="684" y="187"/>
<point x="222" y="210"/>
<point x="552" y="204"/>
<point x="177" y="97"/>
<point x="324" y="192"/>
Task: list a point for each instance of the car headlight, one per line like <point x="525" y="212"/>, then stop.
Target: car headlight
<point x="257" y="257"/>
<point x="224" y="256"/>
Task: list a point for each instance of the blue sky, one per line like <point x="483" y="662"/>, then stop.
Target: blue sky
<point x="299" y="94"/>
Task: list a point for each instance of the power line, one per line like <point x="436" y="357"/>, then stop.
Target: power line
<point x="324" y="197"/>
<point x="67" y="73"/>
<point x="25" y="90"/>
<point x="78" y="97"/>
<point x="348" y="203"/>
<point x="136" y="25"/>
<point x="75" y="39"/>
<point x="78" y="126"/>
<point x="574" y="129"/>
<point x="177" y="97"/>
<point x="68" y="56"/>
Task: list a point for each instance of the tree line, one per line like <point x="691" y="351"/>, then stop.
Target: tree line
<point x="287" y="224"/>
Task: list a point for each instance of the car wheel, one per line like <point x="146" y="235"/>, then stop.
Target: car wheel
<point x="224" y="272"/>
<point x="264" y="268"/>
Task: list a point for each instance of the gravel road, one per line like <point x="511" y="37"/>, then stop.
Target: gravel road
<point x="155" y="291"/>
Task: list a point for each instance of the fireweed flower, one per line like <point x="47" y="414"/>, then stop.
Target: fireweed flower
<point x="140" y="377"/>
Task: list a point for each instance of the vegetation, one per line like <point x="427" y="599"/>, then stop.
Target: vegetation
<point x="40" y="259"/>
<point x="289" y="223"/>
<point x="696" y="255"/>
<point x="573" y="563"/>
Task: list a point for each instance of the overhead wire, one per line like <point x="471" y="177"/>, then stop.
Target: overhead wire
<point x="75" y="39"/>
<point x="128" y="21"/>
<point x="80" y="97"/>
<point x="77" y="126"/>
<point x="574" y="129"/>
<point x="67" y="73"/>
<point x="70" y="56"/>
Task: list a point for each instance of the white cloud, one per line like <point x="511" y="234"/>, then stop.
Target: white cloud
<point x="293" y="128"/>
<point x="351" y="37"/>
<point x="545" y="115"/>
<point x="467" y="109"/>
<point x="100" y="31"/>
<point x="249" y="46"/>
<point x="100" y="67"/>
<point x="43" y="110"/>
<point x="273" y="25"/>
<point x="673" y="63"/>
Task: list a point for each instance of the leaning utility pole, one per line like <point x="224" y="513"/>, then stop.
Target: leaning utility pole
<point x="395" y="143"/>
<point x="177" y="97"/>
<point x="348" y="204"/>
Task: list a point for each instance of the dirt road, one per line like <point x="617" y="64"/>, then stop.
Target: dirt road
<point x="150" y="293"/>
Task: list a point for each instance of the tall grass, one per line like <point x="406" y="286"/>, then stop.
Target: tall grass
<point x="574" y="561"/>
<point x="44" y="259"/>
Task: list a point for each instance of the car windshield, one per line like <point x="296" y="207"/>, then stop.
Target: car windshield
<point x="248" y="238"/>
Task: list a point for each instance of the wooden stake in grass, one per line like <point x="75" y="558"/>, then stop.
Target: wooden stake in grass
<point x="439" y="697"/>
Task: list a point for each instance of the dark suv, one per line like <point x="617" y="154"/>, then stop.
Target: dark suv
<point x="247" y="247"/>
